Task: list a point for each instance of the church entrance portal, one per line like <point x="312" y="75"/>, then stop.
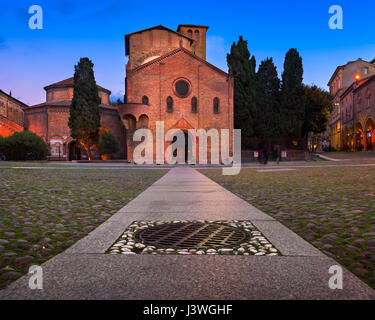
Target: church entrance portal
<point x="186" y="146"/>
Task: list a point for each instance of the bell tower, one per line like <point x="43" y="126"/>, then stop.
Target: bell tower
<point x="198" y="34"/>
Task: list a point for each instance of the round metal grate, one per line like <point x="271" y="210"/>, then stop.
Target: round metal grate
<point x="192" y="235"/>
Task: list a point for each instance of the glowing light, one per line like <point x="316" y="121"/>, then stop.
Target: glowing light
<point x="357" y="76"/>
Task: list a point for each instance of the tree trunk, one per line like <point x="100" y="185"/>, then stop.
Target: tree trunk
<point x="86" y="146"/>
<point x="88" y="150"/>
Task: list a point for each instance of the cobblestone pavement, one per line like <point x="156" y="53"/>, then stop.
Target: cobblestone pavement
<point x="45" y="212"/>
<point x="86" y="271"/>
<point x="331" y="207"/>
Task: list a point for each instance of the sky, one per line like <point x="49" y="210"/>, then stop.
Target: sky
<point x="31" y="59"/>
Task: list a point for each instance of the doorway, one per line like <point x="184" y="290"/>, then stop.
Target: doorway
<point x="187" y="150"/>
<point x="74" y="151"/>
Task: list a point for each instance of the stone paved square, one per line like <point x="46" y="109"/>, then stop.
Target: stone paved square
<point x="45" y="210"/>
<point x="295" y="266"/>
<point x="331" y="206"/>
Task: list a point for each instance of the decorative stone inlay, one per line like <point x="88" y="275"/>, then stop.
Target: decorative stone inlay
<point x="253" y="243"/>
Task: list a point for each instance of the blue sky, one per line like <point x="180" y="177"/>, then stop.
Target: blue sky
<point x="32" y="59"/>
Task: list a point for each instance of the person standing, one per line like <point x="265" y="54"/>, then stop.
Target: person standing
<point x="265" y="153"/>
<point x="276" y="149"/>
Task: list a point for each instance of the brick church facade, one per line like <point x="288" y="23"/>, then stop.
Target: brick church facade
<point x="167" y="79"/>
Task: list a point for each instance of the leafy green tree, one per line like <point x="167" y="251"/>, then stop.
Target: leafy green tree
<point x="243" y="70"/>
<point x="117" y="102"/>
<point x="267" y="124"/>
<point x="24" y="145"/>
<point x="292" y="96"/>
<point x="3" y="144"/>
<point x="318" y="108"/>
<point x="108" y="144"/>
<point x="84" y="120"/>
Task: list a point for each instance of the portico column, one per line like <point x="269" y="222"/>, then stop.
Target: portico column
<point x="129" y="144"/>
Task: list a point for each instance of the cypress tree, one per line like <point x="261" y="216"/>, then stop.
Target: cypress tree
<point x="268" y="100"/>
<point x="292" y="95"/>
<point x="243" y="69"/>
<point x="84" y="119"/>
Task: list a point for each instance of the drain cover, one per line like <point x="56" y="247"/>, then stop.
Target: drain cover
<point x="192" y="235"/>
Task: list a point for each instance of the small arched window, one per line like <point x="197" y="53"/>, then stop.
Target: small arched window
<point x="194" y="105"/>
<point x="196" y="35"/>
<point x="143" y="121"/>
<point x="169" y="104"/>
<point x="190" y="33"/>
<point x="216" y="105"/>
<point x="145" y="100"/>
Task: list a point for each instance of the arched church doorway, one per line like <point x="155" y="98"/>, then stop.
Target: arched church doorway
<point x="359" y="137"/>
<point x="74" y="151"/>
<point x="187" y="150"/>
<point x="370" y="138"/>
<point x="130" y="124"/>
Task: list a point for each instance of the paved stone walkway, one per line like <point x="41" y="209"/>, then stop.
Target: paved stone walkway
<point x="84" y="271"/>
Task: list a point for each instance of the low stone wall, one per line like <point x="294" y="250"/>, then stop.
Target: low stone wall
<point x="286" y="155"/>
<point x="100" y="161"/>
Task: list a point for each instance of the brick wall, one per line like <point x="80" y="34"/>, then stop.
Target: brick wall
<point x="51" y="123"/>
<point x="12" y="117"/>
<point x="56" y="94"/>
<point x="37" y="120"/>
<point x="154" y="42"/>
<point x="110" y="119"/>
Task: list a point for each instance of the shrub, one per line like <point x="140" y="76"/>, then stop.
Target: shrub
<point x="24" y="145"/>
<point x="108" y="144"/>
<point x="2" y="145"/>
